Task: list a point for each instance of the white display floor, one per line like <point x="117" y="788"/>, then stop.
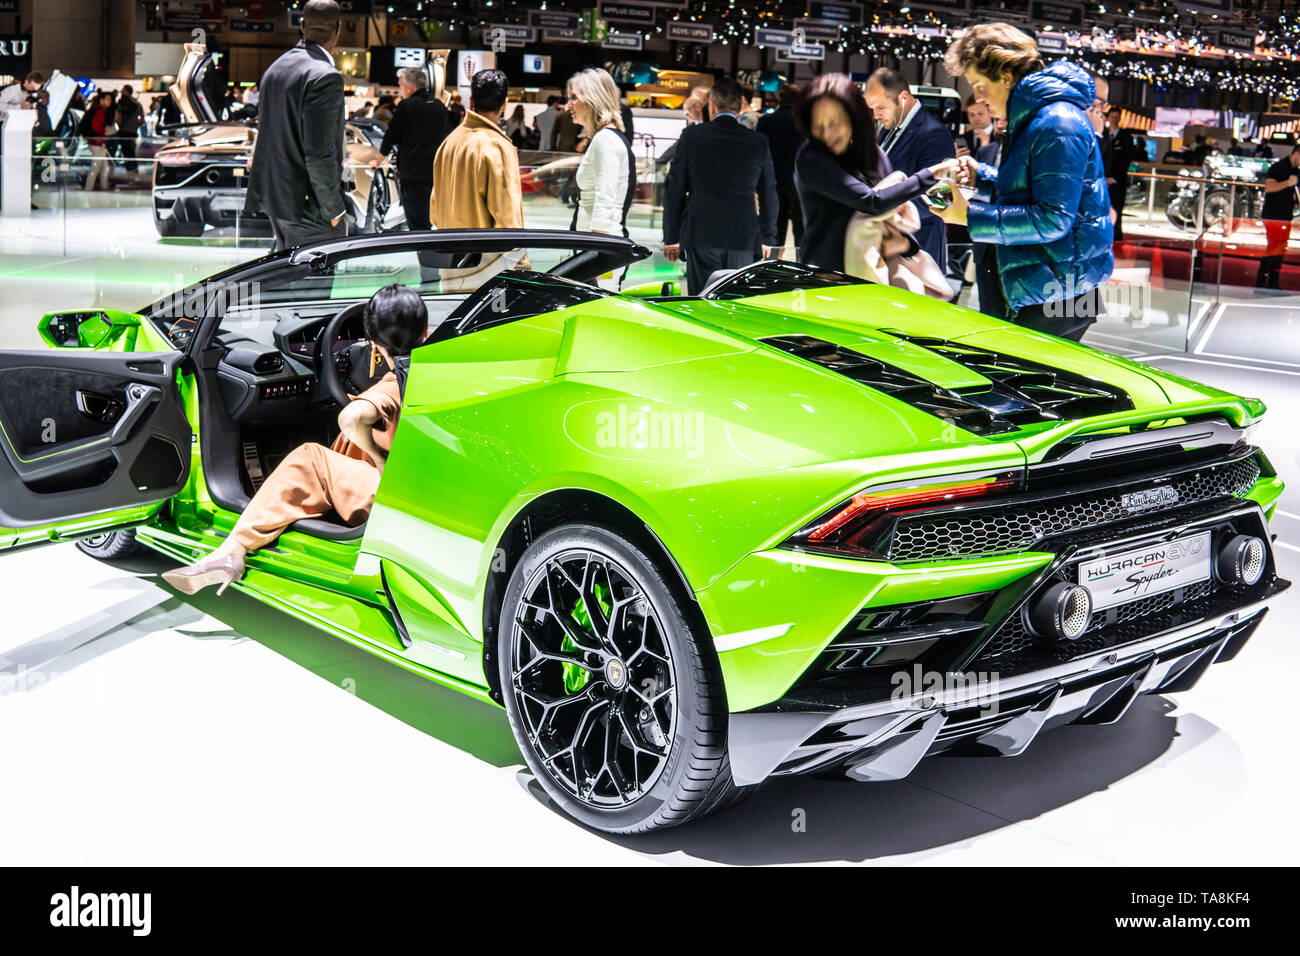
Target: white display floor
<point x="137" y="728"/>
<point x="140" y="728"/>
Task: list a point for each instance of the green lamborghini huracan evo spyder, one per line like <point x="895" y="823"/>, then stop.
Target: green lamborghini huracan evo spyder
<point x="797" y="523"/>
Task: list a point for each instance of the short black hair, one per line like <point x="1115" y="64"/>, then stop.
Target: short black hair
<point x="552" y="100"/>
<point x="396" y="318"/>
<point x="488" y="90"/>
<point x="320" y="21"/>
<point x="727" y="94"/>
<point x="1115" y="109"/>
<point x="788" y="95"/>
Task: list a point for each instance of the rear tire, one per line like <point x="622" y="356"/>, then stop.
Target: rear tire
<point x="620" y="713"/>
<point x="112" y="545"/>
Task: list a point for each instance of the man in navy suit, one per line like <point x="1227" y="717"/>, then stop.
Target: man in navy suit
<point x="914" y="139"/>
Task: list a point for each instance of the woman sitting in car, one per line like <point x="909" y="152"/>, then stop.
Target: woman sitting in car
<point x="312" y="480"/>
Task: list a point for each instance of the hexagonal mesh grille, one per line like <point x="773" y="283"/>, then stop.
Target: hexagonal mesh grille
<point x="1013" y="528"/>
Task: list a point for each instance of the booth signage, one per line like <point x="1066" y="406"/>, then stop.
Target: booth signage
<point x="562" y="34"/>
<point x="1208" y="6"/>
<point x="846" y="13"/>
<point x="1056" y="14"/>
<point x="781" y="39"/>
<point x="1052" y="43"/>
<point x="511" y="34"/>
<point x="642" y="13"/>
<point x="1235" y="42"/>
<point x="593" y="28"/>
<point x="819" y="31"/>
<point x="15" y="46"/>
<point x="8" y="6"/>
<point x="689" y="32"/>
<point x="805" y="51"/>
<point x="181" y="19"/>
<point x="252" y="26"/>
<point x="950" y="6"/>
<point x="553" y="19"/>
<point x="623" y="41"/>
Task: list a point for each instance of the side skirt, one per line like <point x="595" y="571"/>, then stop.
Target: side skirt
<point x="269" y="589"/>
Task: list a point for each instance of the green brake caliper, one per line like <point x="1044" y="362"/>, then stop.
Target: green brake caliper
<point x="575" y="678"/>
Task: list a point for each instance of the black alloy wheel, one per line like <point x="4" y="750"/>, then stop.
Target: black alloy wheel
<point x="618" y="713"/>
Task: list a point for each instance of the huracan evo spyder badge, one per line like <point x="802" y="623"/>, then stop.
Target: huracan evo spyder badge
<point x="1160" y="497"/>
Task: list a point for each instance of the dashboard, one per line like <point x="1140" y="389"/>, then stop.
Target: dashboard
<point x="269" y="370"/>
<point x="268" y="382"/>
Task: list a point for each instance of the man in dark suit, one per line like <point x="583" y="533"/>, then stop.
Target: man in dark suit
<point x="784" y="140"/>
<point x="709" y="213"/>
<point x="984" y="254"/>
<point x="914" y="139"/>
<point x="1116" y="153"/>
<point x="418" y="128"/>
<point x="297" y="172"/>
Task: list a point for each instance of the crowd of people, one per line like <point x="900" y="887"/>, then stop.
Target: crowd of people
<point x="867" y="180"/>
<point x="111" y="122"/>
<point x="854" y="173"/>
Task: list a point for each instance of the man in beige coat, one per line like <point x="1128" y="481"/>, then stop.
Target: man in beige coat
<point x="476" y="169"/>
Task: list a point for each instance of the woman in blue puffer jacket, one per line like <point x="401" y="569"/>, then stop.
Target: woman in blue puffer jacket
<point x="1045" y="209"/>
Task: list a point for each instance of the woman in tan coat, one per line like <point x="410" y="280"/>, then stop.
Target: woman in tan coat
<point x="314" y="479"/>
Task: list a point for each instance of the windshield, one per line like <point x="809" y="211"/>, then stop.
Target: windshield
<point x="447" y="277"/>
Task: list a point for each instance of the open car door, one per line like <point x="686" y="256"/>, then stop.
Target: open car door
<point x="191" y="92"/>
<point x="90" y="440"/>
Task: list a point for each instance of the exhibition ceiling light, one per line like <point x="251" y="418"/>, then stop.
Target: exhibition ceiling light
<point x="1162" y="42"/>
<point x="1279" y="23"/>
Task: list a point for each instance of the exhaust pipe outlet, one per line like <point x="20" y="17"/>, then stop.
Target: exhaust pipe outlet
<point x="1062" y="613"/>
<point x="1242" y="560"/>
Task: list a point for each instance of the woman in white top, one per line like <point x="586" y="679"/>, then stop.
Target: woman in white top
<point x="606" y="165"/>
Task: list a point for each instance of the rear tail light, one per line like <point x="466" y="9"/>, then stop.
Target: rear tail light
<point x="182" y="158"/>
<point x="855" y="527"/>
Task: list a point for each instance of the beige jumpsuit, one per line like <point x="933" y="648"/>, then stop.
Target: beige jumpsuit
<point x="312" y="479"/>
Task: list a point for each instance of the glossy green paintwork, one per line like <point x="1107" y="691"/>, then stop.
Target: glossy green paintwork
<point x="817" y="596"/>
<point x="719" y="443"/>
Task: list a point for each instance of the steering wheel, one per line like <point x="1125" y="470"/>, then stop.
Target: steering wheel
<point x="353" y="370"/>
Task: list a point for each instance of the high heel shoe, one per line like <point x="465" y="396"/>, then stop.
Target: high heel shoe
<point x="195" y="577"/>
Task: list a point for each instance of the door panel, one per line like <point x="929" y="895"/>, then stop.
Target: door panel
<point x="88" y="434"/>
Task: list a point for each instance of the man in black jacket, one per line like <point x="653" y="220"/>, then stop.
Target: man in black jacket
<point x="914" y="139"/>
<point x="709" y="210"/>
<point x="784" y="140"/>
<point x="130" y="117"/>
<point x="985" y="253"/>
<point x="418" y="128"/>
<point x="297" y="173"/>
